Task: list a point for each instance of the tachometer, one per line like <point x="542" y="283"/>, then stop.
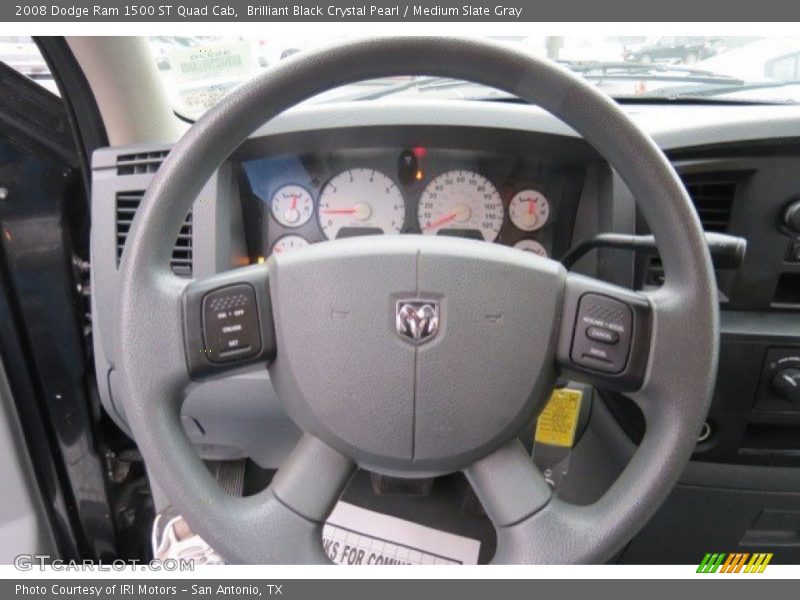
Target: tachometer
<point x="461" y="202"/>
<point x="360" y="201"/>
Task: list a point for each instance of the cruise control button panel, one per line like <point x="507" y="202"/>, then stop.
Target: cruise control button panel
<point x="230" y="324"/>
<point x="603" y="331"/>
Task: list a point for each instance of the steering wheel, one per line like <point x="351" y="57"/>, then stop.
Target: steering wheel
<point x="412" y="355"/>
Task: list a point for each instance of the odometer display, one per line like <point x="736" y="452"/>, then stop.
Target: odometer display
<point x="461" y="200"/>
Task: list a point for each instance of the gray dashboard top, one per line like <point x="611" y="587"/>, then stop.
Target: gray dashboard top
<point x="671" y="126"/>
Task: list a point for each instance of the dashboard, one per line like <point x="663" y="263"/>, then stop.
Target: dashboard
<point x="514" y="175"/>
<point x="495" y="172"/>
<point x="515" y="198"/>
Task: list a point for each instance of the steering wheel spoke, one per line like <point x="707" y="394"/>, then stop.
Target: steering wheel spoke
<point x="290" y="513"/>
<point x="284" y="521"/>
<point x="531" y="523"/>
<point x="509" y="485"/>
<point x="604" y="337"/>
<point x="227" y="322"/>
<point x="312" y="478"/>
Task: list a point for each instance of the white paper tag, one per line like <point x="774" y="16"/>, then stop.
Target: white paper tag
<point x="357" y="536"/>
<point x="212" y="62"/>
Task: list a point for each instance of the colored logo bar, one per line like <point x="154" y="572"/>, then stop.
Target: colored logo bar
<point x="737" y="562"/>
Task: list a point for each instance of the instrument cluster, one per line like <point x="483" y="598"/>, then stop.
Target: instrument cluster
<point x="489" y="196"/>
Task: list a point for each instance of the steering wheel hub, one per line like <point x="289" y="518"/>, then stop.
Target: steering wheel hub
<point x="401" y="407"/>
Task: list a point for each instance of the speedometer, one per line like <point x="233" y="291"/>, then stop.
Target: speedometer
<point x="360" y="202"/>
<point x="461" y="203"/>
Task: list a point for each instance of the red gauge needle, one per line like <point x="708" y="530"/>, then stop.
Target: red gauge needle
<point x="530" y="207"/>
<point x="442" y="221"/>
<point x="340" y="211"/>
<point x="294" y="202"/>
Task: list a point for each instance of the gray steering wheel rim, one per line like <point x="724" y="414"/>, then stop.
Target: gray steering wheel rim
<point x="282" y="524"/>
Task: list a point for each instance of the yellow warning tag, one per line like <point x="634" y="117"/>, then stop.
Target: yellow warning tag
<point x="559" y="419"/>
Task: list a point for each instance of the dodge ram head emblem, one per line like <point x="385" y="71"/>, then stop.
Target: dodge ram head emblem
<point x="417" y="320"/>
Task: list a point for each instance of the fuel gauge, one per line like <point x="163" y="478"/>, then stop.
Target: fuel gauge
<point x="292" y="205"/>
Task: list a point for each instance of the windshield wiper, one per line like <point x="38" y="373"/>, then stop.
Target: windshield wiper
<point x="590" y="70"/>
<point x="419" y="83"/>
<point x="701" y="85"/>
<point x="703" y="93"/>
<point x="637" y="71"/>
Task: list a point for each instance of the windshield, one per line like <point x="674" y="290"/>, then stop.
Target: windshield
<point x="199" y="71"/>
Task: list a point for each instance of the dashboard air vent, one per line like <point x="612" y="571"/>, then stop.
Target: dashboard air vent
<point x="127" y="204"/>
<point x="712" y="196"/>
<point x="143" y="162"/>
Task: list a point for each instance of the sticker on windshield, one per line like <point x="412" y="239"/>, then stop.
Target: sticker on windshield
<point x="232" y="61"/>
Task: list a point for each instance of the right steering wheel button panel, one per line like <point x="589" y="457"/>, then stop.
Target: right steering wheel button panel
<point x="602" y="337"/>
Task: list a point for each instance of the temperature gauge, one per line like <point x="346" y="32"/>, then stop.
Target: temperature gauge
<point x="529" y="210"/>
<point x="531" y="246"/>
<point x="292" y="206"/>
<point x="288" y="244"/>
